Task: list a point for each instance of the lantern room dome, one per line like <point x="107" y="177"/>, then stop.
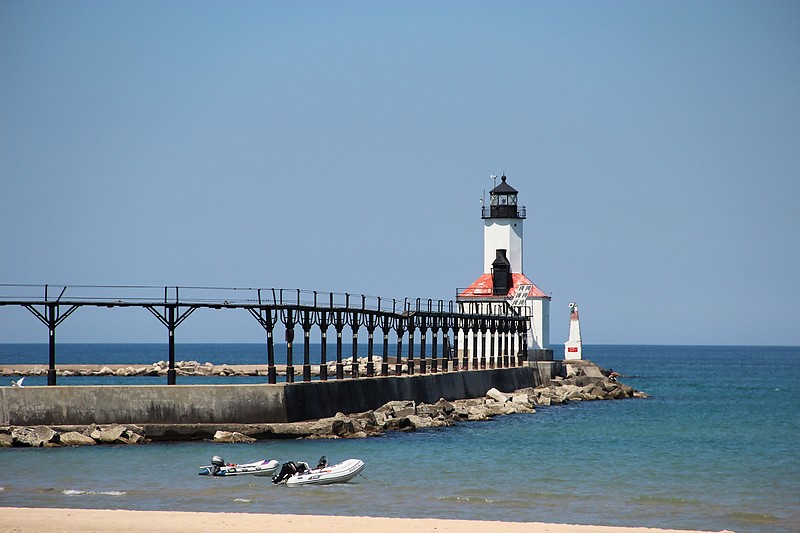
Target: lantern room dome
<point x="503" y="202"/>
<point x="503" y="188"/>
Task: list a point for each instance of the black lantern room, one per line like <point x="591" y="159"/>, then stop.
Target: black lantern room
<point x="503" y="202"/>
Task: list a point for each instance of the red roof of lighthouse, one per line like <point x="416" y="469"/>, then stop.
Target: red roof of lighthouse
<point x="482" y="288"/>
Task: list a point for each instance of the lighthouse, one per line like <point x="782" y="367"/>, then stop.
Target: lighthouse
<point x="503" y="286"/>
<point x="573" y="348"/>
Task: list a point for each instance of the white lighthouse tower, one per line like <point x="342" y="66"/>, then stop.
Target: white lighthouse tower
<point x="573" y="348"/>
<point x="503" y="281"/>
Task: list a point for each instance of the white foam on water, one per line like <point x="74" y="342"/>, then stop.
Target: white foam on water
<point x="242" y="500"/>
<point x="72" y="492"/>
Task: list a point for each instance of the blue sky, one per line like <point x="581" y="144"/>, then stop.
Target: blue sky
<point x="344" y="146"/>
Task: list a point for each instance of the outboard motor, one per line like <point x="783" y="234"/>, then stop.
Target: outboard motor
<point x="323" y="462"/>
<point x="216" y="463"/>
<point x="287" y="471"/>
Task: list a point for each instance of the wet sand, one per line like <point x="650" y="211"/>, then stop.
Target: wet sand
<point x="92" y="520"/>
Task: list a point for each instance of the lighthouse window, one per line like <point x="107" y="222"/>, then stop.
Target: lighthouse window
<point x="503" y="199"/>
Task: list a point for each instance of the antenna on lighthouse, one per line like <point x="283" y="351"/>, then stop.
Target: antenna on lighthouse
<point x="494" y="180"/>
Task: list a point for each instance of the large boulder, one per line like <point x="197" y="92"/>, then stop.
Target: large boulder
<point x="367" y="421"/>
<point x="204" y="370"/>
<point x="136" y="438"/>
<point x="133" y="434"/>
<point x="412" y="422"/>
<point x="570" y="392"/>
<point x="443" y="407"/>
<point x="477" y="412"/>
<point x="342" y="426"/>
<point x="592" y="371"/>
<point x="108" y="434"/>
<point x="522" y="398"/>
<point x="397" y="409"/>
<point x="496" y="395"/>
<point x="440" y="410"/>
<point x="403" y="408"/>
<point x="593" y="391"/>
<point x="37" y="436"/>
<point x="232" y="436"/>
<point x="73" y="438"/>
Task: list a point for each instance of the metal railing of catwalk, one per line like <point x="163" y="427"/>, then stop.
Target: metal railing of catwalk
<point x="493" y="336"/>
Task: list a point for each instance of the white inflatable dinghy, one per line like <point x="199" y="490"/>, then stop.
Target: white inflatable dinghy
<point x="257" y="468"/>
<point x="338" y="473"/>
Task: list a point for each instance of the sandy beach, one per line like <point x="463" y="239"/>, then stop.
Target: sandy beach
<point x="16" y="519"/>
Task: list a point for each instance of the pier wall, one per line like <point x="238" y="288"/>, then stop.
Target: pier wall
<point x="246" y="404"/>
<point x="306" y="401"/>
<point x="141" y="404"/>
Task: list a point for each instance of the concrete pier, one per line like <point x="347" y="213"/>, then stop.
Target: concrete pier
<point x="247" y="404"/>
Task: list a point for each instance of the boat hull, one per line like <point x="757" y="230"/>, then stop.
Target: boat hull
<point x="256" y="468"/>
<point x="338" y="473"/>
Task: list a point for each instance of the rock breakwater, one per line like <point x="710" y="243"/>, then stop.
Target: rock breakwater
<point x="582" y="382"/>
<point x="182" y="368"/>
<point x="51" y="437"/>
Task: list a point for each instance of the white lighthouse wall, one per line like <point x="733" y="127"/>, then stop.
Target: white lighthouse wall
<point x="506" y="234"/>
<point x="539" y="324"/>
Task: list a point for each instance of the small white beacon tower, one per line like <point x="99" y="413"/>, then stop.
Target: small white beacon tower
<point x="573" y="348"/>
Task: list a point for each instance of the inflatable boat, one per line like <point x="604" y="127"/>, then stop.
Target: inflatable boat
<point x="256" y="468"/>
<point x="338" y="473"/>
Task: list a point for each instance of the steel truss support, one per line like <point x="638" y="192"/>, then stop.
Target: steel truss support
<point x="267" y="317"/>
<point x="386" y="326"/>
<point x="307" y="322"/>
<point x="51" y="317"/>
<point x="323" y="320"/>
<point x="171" y="318"/>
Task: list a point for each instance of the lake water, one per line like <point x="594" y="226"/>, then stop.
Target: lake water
<point x="714" y="447"/>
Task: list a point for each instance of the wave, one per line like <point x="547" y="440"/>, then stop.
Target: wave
<point x="504" y="501"/>
<point x="465" y="499"/>
<point x="242" y="500"/>
<point x="754" y="518"/>
<point x="72" y="492"/>
<point x="666" y="500"/>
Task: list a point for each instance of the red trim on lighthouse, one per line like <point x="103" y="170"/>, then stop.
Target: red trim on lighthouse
<point x="482" y="287"/>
